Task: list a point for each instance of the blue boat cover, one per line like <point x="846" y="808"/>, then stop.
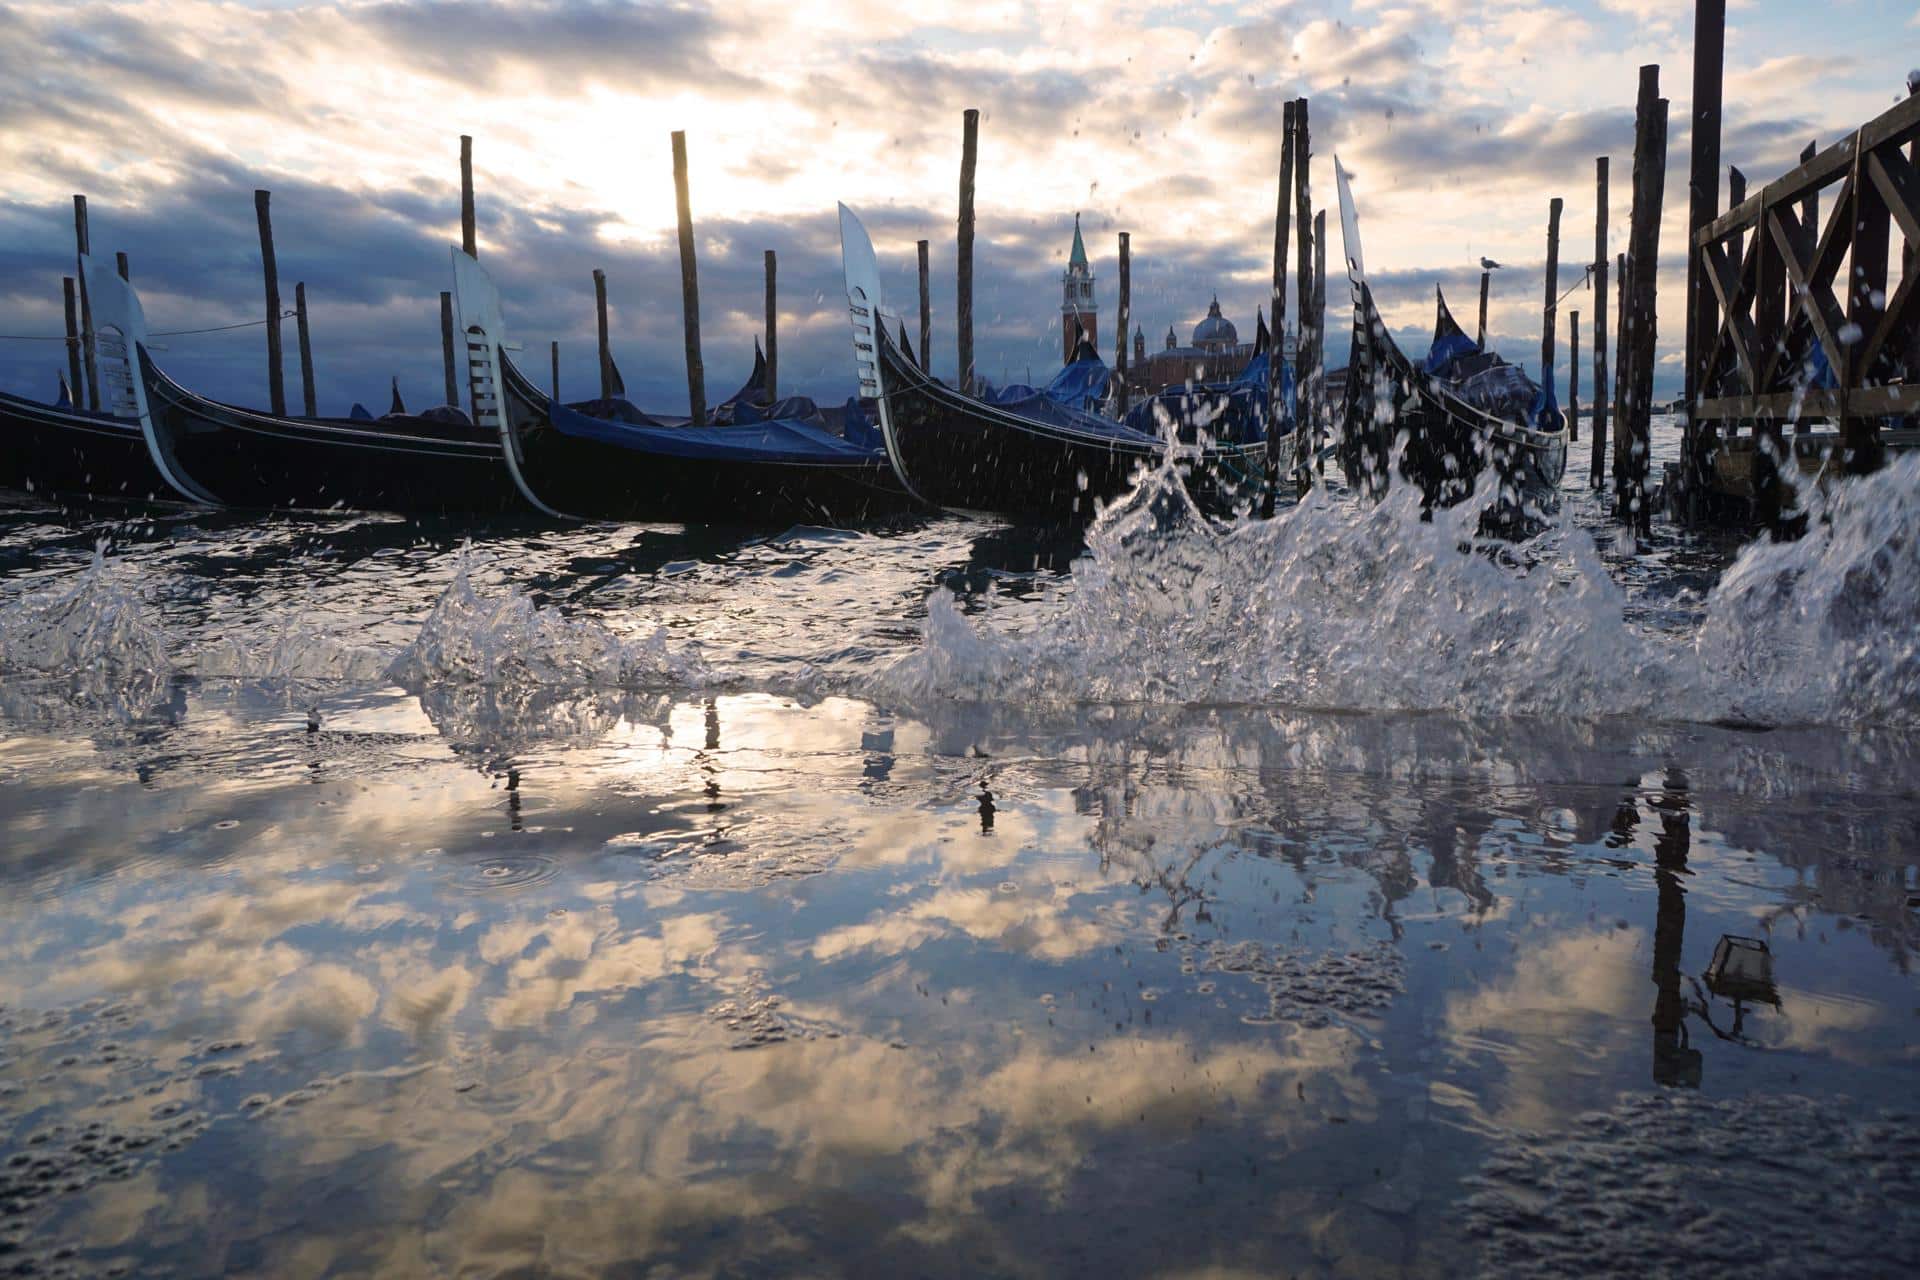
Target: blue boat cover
<point x="1450" y="343"/>
<point x="797" y="408"/>
<point x="1081" y="384"/>
<point x="858" y="426"/>
<point x="1233" y="411"/>
<point x="66" y="396"/>
<point x="785" y="440"/>
<point x="1545" y="414"/>
<point x="359" y="413"/>
<point x="614" y="409"/>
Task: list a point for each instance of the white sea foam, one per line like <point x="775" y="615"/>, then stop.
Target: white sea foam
<point x="94" y="623"/>
<point x="504" y="638"/>
<point x="1338" y="605"/>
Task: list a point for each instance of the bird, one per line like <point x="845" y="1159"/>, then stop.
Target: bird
<point x="1488" y="264"/>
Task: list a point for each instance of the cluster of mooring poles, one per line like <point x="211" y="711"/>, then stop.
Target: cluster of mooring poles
<point x="1760" y="310"/>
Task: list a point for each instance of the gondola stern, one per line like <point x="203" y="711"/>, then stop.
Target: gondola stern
<point x="121" y="343"/>
<point x="478" y="312"/>
<point x="864" y="310"/>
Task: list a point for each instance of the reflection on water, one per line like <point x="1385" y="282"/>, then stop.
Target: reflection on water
<point x="318" y="962"/>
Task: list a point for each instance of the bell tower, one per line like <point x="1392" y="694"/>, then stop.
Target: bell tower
<point x="1078" y="315"/>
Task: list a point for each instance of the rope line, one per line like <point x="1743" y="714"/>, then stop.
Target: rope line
<point x="162" y="333"/>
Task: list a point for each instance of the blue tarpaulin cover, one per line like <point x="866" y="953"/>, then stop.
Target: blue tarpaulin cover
<point x="1082" y="383"/>
<point x="1233" y="411"/>
<point x="784" y="440"/>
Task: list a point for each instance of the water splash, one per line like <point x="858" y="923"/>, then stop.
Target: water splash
<point x="505" y="639"/>
<point x="1343" y="606"/>
<point x="91" y="643"/>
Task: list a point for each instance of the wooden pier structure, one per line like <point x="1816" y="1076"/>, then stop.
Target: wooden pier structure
<point x="1794" y="323"/>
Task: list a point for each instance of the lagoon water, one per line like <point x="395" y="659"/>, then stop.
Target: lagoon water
<point x="1304" y="898"/>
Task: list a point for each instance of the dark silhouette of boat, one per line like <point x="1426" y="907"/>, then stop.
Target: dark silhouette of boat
<point x="783" y="469"/>
<point x="1445" y="443"/>
<point x="1038" y="459"/>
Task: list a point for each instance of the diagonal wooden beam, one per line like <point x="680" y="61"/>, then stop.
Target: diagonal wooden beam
<point x="1734" y="294"/>
<point x="1899" y="184"/>
<point x="1822" y="311"/>
<point x="1900" y="312"/>
<point x="1836" y="239"/>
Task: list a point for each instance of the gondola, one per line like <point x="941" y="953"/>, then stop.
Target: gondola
<point x="1037" y="459"/>
<point x="432" y="463"/>
<point x="111" y="453"/>
<point x="777" y="471"/>
<point x="1448" y="442"/>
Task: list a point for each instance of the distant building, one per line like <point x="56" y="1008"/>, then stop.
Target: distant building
<point x="1214" y="354"/>
<point x="1079" y="314"/>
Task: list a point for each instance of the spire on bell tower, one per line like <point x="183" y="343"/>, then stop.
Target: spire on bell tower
<point x="1079" y="313"/>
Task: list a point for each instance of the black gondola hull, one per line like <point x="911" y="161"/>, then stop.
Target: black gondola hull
<point x="409" y="466"/>
<point x="1445" y="445"/>
<point x="599" y="480"/>
<point x="48" y="450"/>
<point x="965" y="454"/>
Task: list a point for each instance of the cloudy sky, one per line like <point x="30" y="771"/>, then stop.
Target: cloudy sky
<point x="1458" y="119"/>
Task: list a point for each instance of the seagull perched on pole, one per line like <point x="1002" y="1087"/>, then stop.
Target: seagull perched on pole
<point x="1488" y="264"/>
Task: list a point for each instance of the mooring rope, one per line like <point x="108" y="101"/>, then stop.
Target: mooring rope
<point x="162" y="333"/>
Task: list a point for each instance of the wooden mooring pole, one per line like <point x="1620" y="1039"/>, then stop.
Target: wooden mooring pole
<point x="1596" y="468"/>
<point x="446" y="348"/>
<point x="1623" y="357"/>
<point x="606" y="356"/>
<point x="1736" y="195"/>
<point x="689" y="287"/>
<point x="276" y="374"/>
<point x="309" y="403"/>
<point x="72" y="300"/>
<point x="83" y="243"/>
<point x="926" y="311"/>
<point x="1276" y="361"/>
<point x="1125" y="320"/>
<point x="554" y="353"/>
<point x="1486" y="279"/>
<point x="1649" y="183"/>
<point x="1703" y="206"/>
<point x="1553" y="292"/>
<point x="469" y="241"/>
<point x="1316" y="367"/>
<point x="1573" y="377"/>
<point x="773" y="329"/>
<point x="1307" y="442"/>
<point x="963" y="300"/>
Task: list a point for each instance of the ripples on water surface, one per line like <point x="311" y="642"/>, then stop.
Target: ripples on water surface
<point x="1303" y="899"/>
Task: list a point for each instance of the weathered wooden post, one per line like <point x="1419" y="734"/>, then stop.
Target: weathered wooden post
<point x="1596" y="468"/>
<point x="773" y="330"/>
<point x="689" y="287"/>
<point x="606" y="356"/>
<point x="1573" y="377"/>
<point x="1809" y="210"/>
<point x="554" y="352"/>
<point x="1125" y="317"/>
<point x="468" y="227"/>
<point x="1623" y="361"/>
<point x="1649" y="179"/>
<point x="72" y="300"/>
<point x="120" y="264"/>
<point x="276" y="383"/>
<point x="1307" y="443"/>
<point x="1276" y="361"/>
<point x="1316" y="368"/>
<point x="1703" y="205"/>
<point x="309" y="403"/>
<point x="446" y="348"/>
<point x="1553" y="292"/>
<point x="926" y="312"/>
<point x="963" y="301"/>
<point x="1866" y="302"/>
<point x="83" y="242"/>
<point x="1736" y="195"/>
<point x="1486" y="279"/>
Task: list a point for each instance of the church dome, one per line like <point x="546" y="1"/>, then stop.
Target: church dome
<point x="1216" y="330"/>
